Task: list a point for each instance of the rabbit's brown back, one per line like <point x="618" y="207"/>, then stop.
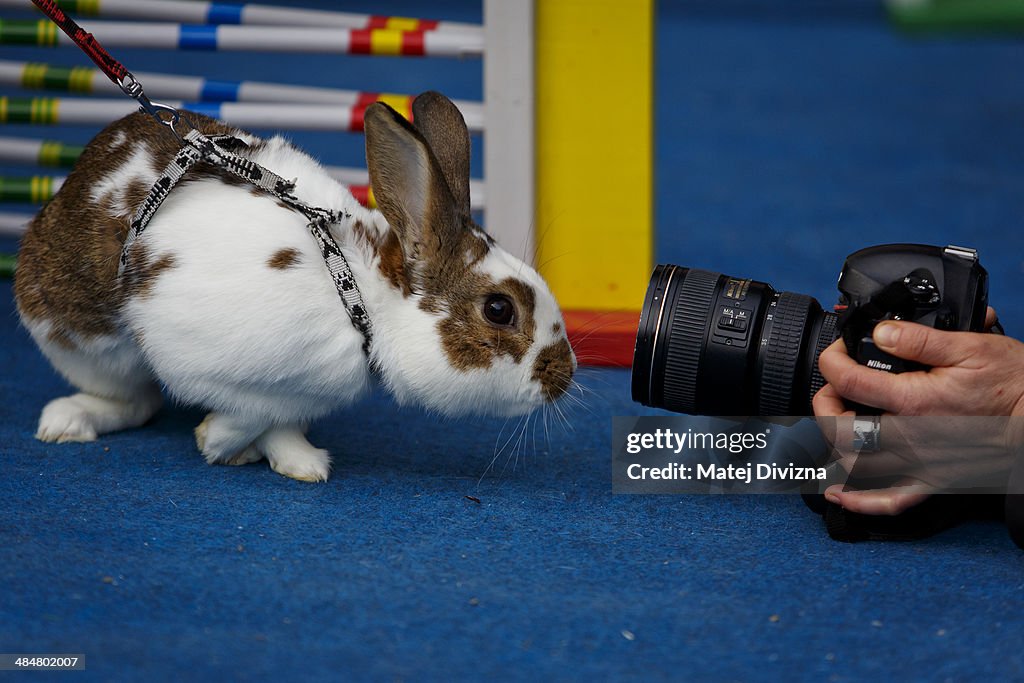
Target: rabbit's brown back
<point x="68" y="258"/>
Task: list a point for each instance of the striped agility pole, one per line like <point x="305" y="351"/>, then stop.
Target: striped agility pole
<point x="115" y="34"/>
<point x="79" y="79"/>
<point x="13" y="224"/>
<point x="197" y="89"/>
<point x="39" y="189"/>
<point x="8" y="262"/>
<point x="36" y="189"/>
<point x="50" y="153"/>
<point x="101" y="111"/>
<point x="992" y="16"/>
<point x="247" y="13"/>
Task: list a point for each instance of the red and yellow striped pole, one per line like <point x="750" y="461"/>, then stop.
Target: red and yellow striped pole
<point x="302" y="39"/>
<point x="400" y="103"/>
<point x="594" y="167"/>
<point x="402" y="23"/>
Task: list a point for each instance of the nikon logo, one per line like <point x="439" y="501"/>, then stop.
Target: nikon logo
<point x="879" y="365"/>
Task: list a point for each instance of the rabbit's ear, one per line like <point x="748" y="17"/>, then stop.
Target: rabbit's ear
<point x="445" y="131"/>
<point x="409" y="187"/>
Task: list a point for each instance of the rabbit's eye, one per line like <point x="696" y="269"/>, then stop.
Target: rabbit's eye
<point x="499" y="310"/>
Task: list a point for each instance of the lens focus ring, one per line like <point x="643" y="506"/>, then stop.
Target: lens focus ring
<point x="686" y="340"/>
<point x="782" y="353"/>
<point x="828" y="334"/>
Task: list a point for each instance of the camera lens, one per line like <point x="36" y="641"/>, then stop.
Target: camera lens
<point x="712" y="344"/>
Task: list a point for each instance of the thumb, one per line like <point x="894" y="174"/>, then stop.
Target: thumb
<point x="926" y="345"/>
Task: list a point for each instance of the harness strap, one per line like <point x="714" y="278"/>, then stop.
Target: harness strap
<point x="214" y="149"/>
<point x="185" y="159"/>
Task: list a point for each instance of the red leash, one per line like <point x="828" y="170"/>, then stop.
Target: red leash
<point x="113" y="69"/>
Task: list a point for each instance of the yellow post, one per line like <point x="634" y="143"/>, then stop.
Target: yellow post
<point x="594" y="173"/>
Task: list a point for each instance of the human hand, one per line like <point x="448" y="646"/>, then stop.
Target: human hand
<point x="917" y="456"/>
<point x="971" y="374"/>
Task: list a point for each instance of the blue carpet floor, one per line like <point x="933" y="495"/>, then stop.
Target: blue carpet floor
<point x="788" y="134"/>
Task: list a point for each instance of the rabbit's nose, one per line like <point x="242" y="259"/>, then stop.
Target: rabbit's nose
<point x="554" y="368"/>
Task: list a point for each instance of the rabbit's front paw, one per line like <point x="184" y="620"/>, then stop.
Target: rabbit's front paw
<point x="64" y="420"/>
<point x="291" y="455"/>
<point x="311" y="465"/>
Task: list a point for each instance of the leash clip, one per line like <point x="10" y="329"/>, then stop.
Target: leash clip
<point x="163" y="113"/>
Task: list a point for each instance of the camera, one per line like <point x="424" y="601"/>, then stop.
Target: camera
<point x="713" y="344"/>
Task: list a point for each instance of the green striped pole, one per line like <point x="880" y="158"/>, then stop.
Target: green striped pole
<point x="230" y="37"/>
<point x="36" y="189"/>
<point x="961" y="15"/>
<point x="39" y="32"/>
<point x="54" y="153"/>
<point x="35" y="76"/>
<point x="51" y="153"/>
<point x="88" y="7"/>
<point x="29" y="109"/>
<point x="8" y="262"/>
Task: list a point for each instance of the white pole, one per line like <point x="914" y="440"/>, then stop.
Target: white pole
<point x="194" y="88"/>
<point x="13" y="224"/>
<point x="509" y="112"/>
<point x="190" y="12"/>
<point x="38" y="152"/>
<point x="20" y="150"/>
<point x="27" y="151"/>
<point x="119" y="34"/>
<point x="100" y="111"/>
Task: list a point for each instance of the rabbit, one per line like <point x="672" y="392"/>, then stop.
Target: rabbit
<point x="226" y="302"/>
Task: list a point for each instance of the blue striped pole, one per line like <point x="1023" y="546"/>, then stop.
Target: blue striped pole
<point x="193" y="12"/>
<point x="269" y="115"/>
<point x="117" y="34"/>
<point x="198" y="89"/>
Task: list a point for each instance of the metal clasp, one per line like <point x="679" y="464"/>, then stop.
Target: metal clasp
<point x="163" y="113"/>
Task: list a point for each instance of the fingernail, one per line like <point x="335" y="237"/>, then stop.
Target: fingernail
<point x="832" y="498"/>
<point x="887" y="334"/>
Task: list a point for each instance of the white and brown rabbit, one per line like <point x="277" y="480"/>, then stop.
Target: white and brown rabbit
<point x="227" y="303"/>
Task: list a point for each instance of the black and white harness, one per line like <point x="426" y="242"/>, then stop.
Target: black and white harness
<point x="217" y="150"/>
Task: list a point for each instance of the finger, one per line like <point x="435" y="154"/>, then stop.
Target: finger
<point x="834" y="360"/>
<point x="864" y="385"/>
<point x="828" y="403"/>
<point x="923" y="344"/>
<point x="891" y="501"/>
